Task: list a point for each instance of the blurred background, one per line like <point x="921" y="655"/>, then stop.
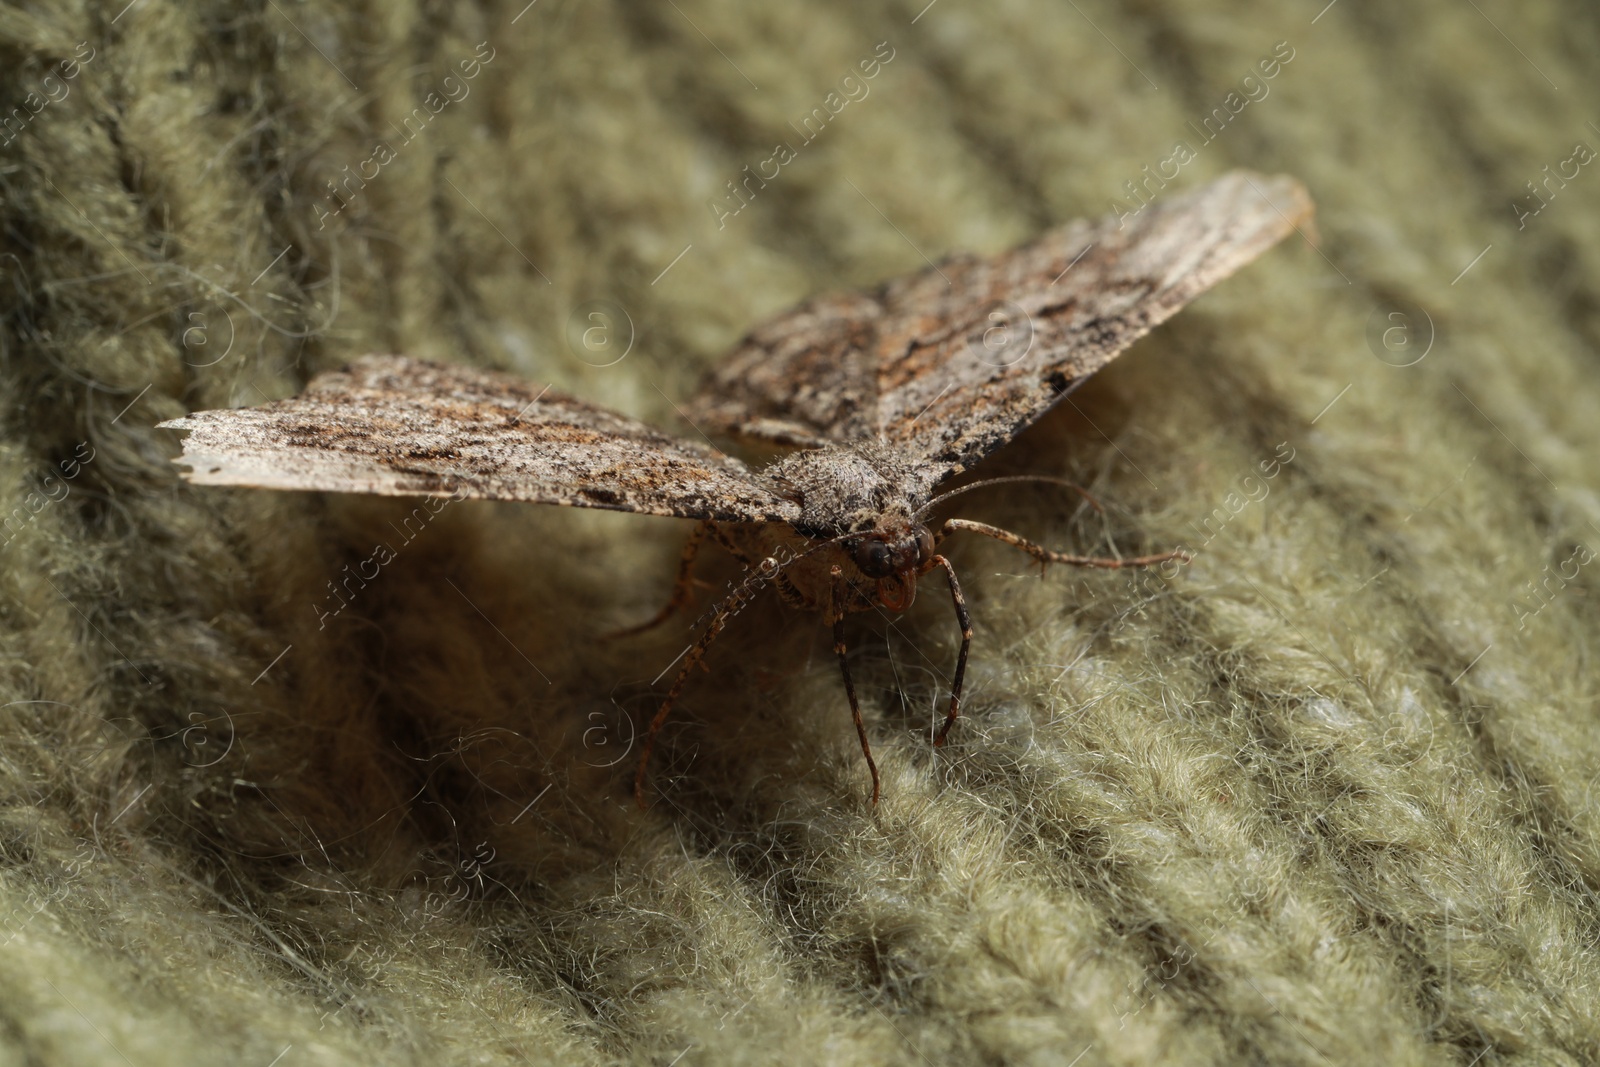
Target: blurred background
<point x="1327" y="796"/>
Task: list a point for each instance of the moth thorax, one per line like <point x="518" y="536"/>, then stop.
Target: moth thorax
<point x="852" y="489"/>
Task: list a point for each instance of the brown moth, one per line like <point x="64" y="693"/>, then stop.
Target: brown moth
<point x="880" y="397"/>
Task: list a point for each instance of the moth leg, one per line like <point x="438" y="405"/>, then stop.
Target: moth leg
<point x="786" y="589"/>
<point x="729" y="545"/>
<point x="788" y="593"/>
<point x="836" y="602"/>
<point x="1044" y="555"/>
<point x="696" y="652"/>
<point x="961" y="658"/>
<point x="682" y="587"/>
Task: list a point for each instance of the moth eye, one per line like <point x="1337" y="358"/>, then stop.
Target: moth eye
<point x="925" y="544"/>
<point x="875" y="559"/>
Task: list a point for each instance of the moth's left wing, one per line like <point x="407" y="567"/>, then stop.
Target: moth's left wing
<point x="964" y="367"/>
<point x="401" y="427"/>
<point x="953" y="361"/>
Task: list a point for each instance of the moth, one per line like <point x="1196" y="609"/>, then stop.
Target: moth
<point x="876" y="399"/>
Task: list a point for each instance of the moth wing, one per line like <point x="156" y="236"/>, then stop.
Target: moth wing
<point x="801" y="379"/>
<point x="963" y="368"/>
<point x="955" y="360"/>
<point x="401" y="427"/>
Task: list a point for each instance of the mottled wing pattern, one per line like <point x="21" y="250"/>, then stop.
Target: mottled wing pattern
<point x="953" y="395"/>
<point x="955" y="361"/>
<point x="804" y="378"/>
<point x="402" y="427"/>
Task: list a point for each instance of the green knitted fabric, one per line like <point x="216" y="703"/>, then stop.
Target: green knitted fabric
<point x="1326" y="796"/>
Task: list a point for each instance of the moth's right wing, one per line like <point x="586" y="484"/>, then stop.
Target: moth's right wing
<point x="401" y="427"/>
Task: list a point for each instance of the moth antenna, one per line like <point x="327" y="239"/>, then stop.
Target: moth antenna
<point x="940" y="499"/>
<point x="1044" y="555"/>
<point x="818" y="547"/>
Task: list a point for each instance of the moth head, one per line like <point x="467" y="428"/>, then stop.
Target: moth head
<point x="885" y="553"/>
